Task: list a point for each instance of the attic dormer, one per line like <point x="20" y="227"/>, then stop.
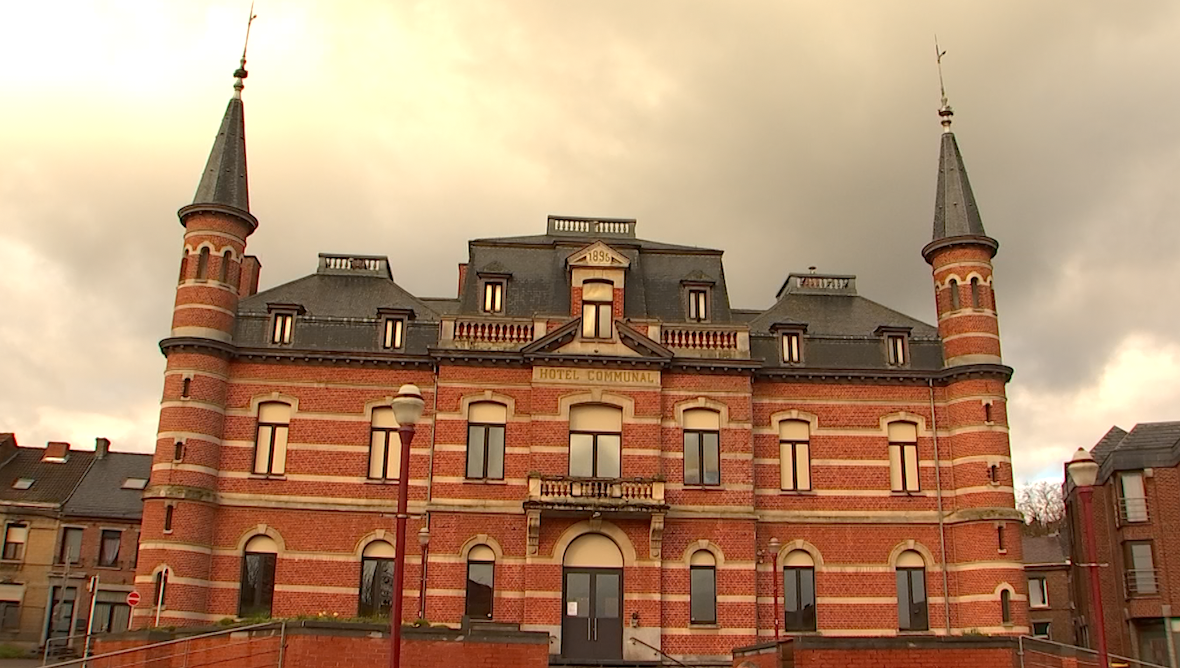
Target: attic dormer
<point x="597" y="280"/>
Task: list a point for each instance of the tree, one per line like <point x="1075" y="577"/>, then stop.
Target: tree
<point x="1042" y="506"/>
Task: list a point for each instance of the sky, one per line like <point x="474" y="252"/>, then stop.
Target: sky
<point x="790" y="134"/>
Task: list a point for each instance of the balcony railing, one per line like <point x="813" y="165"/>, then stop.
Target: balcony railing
<point x="1133" y="510"/>
<point x="1141" y="582"/>
<point x="489" y="333"/>
<point x="597" y="493"/>
<point x="721" y="341"/>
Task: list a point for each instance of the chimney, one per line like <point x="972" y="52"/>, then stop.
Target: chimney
<point x="251" y="270"/>
<point x="56" y="452"/>
<point x="102" y="446"/>
<point x="462" y="276"/>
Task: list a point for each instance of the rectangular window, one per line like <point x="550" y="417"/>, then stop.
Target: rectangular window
<point x="385" y="454"/>
<point x="702" y="458"/>
<point x="376" y="594"/>
<point x="10" y="615"/>
<point x="111" y="612"/>
<point x="493" y="297"/>
<point x="108" y="554"/>
<point x="791" y="347"/>
<point x="703" y="594"/>
<point x="912" y="612"/>
<point x="1132" y="497"/>
<point x="698" y="305"/>
<point x="903" y="457"/>
<point x="799" y="598"/>
<point x="480" y="589"/>
<point x="1141" y="576"/>
<point x="1040" y="630"/>
<point x="1038" y="594"/>
<point x="896" y="349"/>
<point x="70" y="550"/>
<point x="1000" y="539"/>
<point x="283" y="324"/>
<point x="597" y="316"/>
<point x="392" y="338"/>
<point x="595" y="455"/>
<point x="794" y="451"/>
<point x="485" y="451"/>
<point x="15" y="537"/>
<point x="258" y="585"/>
<point x="271" y="450"/>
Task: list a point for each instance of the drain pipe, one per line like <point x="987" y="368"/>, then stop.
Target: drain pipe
<point x="425" y="559"/>
<point x="946" y="592"/>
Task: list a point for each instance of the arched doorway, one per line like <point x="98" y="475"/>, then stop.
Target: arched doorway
<point x="592" y="619"/>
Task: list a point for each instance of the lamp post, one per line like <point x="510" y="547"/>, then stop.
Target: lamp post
<point x="424" y="542"/>
<point x="774" y="548"/>
<point x="1083" y="472"/>
<point x="407" y="408"/>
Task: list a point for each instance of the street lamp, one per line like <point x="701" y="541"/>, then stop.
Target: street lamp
<point x="407" y="408"/>
<point x="424" y="542"/>
<point x="1083" y="472"/>
<point x="774" y="548"/>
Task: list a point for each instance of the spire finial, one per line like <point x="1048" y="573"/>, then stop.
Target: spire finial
<point x="241" y="72"/>
<point x="944" y="110"/>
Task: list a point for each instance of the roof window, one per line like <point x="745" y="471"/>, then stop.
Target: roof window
<point x="135" y="483"/>
<point x="23" y="483"/>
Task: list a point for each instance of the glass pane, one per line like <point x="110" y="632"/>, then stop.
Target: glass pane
<point x="791" y="590"/>
<point x="495" y="452"/>
<point x="476" y="435"/>
<point x="692" y="458"/>
<point x="120" y="618"/>
<point x="604" y="320"/>
<point x="581" y="455"/>
<point x="377" y="453"/>
<point x="903" y="600"/>
<point x="368" y="575"/>
<point x="606" y="595"/>
<point x="803" y="457"/>
<point x="807" y="598"/>
<point x="480" y="590"/>
<point x="911" y="468"/>
<point x="588" y="321"/>
<point x="786" y="466"/>
<point x="711" y="463"/>
<point x="895" y="467"/>
<point x="262" y="449"/>
<point x="703" y="595"/>
<point x="577" y="595"/>
<point x="608" y="456"/>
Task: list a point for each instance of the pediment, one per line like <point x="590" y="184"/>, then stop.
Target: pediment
<point x="598" y="255"/>
<point x="565" y="340"/>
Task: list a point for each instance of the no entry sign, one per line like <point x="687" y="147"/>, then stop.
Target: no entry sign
<point x="133" y="598"/>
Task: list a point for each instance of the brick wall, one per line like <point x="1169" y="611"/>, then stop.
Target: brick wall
<point x="900" y="652"/>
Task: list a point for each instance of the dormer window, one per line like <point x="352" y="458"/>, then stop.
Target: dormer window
<point x="392" y="334"/>
<point x="792" y="342"/>
<point x="284" y="324"/>
<point x="597" y="299"/>
<point x="493" y="297"/>
<point x="698" y="304"/>
<point x="896" y="348"/>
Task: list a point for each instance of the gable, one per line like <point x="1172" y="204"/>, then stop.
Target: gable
<point x="598" y="255"/>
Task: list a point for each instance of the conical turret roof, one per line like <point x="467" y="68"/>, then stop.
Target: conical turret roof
<point x="224" y="180"/>
<point x="955" y="211"/>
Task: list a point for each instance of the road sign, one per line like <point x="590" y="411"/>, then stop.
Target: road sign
<point x="133" y="598"/>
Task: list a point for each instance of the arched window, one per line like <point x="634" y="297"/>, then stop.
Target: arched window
<point x="954" y="288"/>
<point x="376" y="591"/>
<point x="596" y="441"/>
<point x="203" y="264"/>
<point x="258" y="577"/>
<point x="903" y="457"/>
<point x="976" y="297"/>
<point x="912" y="612"/>
<point x="169" y="511"/>
<point x="183" y="266"/>
<point x="160" y="588"/>
<point x="385" y="453"/>
<point x="702" y="447"/>
<point x="481" y="580"/>
<point x="1006" y="606"/>
<point x="178" y="451"/>
<point x="703" y="588"/>
<point x="270" y="445"/>
<point x="799" y="591"/>
<point x="186" y="386"/>
<point x="794" y="453"/>
<point x="485" y="440"/>
<point x="223" y="269"/>
<point x="597" y="297"/>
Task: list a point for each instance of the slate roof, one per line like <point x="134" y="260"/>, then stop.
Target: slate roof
<point x="955" y="211"/>
<point x="1044" y="549"/>
<point x="224" y="180"/>
<point x="1108" y="443"/>
<point x="53" y="482"/>
<point x="1147" y="445"/>
<point x="101" y="493"/>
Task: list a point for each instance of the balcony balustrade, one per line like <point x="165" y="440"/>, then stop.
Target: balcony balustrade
<point x="605" y="494"/>
<point x="701" y="340"/>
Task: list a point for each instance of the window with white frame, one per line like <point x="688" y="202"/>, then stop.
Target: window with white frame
<point x="792" y="343"/>
<point x="794" y="451"/>
<point x="270" y="444"/>
<point x="384" y="446"/>
<point x="903" y="457"/>
<point x="1038" y="593"/>
<point x="597" y="303"/>
<point x="493" y="297"/>
<point x="698" y="304"/>
<point x="393" y="331"/>
<point x="895" y="349"/>
<point x="283" y="324"/>
<point x="485" y="440"/>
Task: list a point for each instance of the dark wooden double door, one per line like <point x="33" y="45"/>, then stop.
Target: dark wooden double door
<point x="592" y="613"/>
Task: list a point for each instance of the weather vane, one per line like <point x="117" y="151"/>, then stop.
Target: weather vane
<point x="944" y="110"/>
<point x="241" y="72"/>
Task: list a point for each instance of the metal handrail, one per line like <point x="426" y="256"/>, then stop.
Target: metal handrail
<point x="659" y="651"/>
<point x="1078" y="648"/>
<point x="129" y="650"/>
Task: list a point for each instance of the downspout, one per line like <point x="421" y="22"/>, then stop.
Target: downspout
<point x="425" y="560"/>
<point x="946" y="591"/>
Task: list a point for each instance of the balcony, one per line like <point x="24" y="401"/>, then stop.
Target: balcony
<point x="1141" y="582"/>
<point x="1133" y="510"/>
<point x="712" y="341"/>
<point x="489" y="333"/>
<point x="616" y="495"/>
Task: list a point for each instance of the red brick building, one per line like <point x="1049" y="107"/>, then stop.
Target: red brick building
<point x="610" y="452"/>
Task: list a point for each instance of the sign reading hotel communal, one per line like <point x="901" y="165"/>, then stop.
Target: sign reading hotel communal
<point x="561" y="375"/>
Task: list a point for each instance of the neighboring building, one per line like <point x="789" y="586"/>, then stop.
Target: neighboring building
<point x="55" y="503"/>
<point x="1137" y="530"/>
<point x="1050" y="600"/>
<point x="609" y="449"/>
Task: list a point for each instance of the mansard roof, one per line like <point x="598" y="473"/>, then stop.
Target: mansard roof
<point x="1147" y="445"/>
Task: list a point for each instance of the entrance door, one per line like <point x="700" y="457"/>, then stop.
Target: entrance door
<point x="592" y="620"/>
